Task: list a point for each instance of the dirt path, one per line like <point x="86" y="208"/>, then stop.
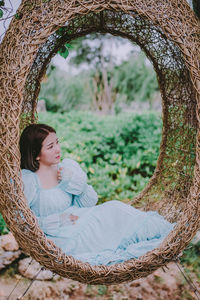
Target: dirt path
<point x="160" y="285"/>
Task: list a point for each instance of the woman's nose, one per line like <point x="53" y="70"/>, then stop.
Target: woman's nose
<point x="57" y="148"/>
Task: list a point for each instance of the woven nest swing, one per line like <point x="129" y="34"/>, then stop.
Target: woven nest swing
<point x="168" y="32"/>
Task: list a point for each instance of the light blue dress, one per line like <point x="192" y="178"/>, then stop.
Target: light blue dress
<point x="108" y="233"/>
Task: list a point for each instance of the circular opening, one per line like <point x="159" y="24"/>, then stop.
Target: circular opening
<point x="119" y="140"/>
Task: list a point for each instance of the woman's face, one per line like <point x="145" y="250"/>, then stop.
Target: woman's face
<point x="50" y="152"/>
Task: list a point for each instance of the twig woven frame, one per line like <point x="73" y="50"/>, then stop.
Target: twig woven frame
<point x="21" y="60"/>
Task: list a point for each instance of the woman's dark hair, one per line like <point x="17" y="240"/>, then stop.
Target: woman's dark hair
<point x="31" y="143"/>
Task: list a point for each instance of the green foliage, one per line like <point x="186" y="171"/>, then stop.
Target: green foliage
<point x="2" y="3"/>
<point x="102" y="290"/>
<point x="62" y="92"/>
<point x="118" y="153"/>
<point x="191" y="259"/>
<point x="134" y="80"/>
<point x="18" y="16"/>
<point x="89" y="49"/>
<point x="3" y="228"/>
<point x="64" y="50"/>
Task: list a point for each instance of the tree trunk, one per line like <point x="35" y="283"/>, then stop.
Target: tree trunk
<point x="103" y="95"/>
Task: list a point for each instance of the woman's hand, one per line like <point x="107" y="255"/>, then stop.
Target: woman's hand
<point x="73" y="218"/>
<point x="67" y="219"/>
<point x="65" y="173"/>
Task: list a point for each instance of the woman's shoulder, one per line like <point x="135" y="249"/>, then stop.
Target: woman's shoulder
<point x="68" y="162"/>
<point x="30" y="185"/>
<point x="28" y="176"/>
<point x="27" y="172"/>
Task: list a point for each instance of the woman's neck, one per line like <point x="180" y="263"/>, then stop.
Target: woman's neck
<point x="47" y="169"/>
<point x="48" y="176"/>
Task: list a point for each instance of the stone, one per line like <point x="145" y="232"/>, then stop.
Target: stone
<point x="7" y="257"/>
<point x="8" y="242"/>
<point x="28" y="267"/>
<point x="9" y="250"/>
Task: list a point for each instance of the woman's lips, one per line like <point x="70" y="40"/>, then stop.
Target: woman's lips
<point x="58" y="156"/>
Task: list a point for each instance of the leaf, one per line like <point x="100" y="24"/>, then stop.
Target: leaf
<point x="2" y="3"/>
<point x="1" y="13"/>
<point x="64" y="52"/>
<point x="18" y="16"/>
<point x="69" y="46"/>
<point x="60" y="31"/>
<point x="91" y="170"/>
<point x="138" y="165"/>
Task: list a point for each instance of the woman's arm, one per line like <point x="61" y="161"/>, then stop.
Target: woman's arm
<point x="88" y="198"/>
<point x="74" y="179"/>
<point x="51" y="224"/>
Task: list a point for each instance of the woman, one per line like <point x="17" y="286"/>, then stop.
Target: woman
<point x="64" y="204"/>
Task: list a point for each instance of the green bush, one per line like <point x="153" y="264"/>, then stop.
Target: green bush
<point x="119" y="153"/>
<point x="135" y="80"/>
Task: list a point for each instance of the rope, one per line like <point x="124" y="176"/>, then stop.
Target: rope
<point x="32" y="281"/>
<point x="188" y="279"/>
<point x="18" y="281"/>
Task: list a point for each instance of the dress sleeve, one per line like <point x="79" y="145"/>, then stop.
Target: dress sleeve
<point x="87" y="198"/>
<point x="74" y="179"/>
<point x="30" y="186"/>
